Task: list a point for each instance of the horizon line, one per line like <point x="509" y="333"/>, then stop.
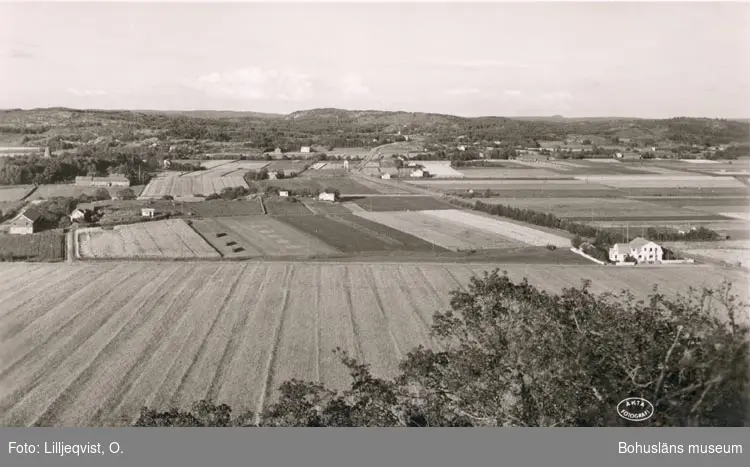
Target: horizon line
<point x="94" y="109"/>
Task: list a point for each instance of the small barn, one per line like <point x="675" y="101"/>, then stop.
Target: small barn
<point x="25" y="223"/>
<point x="284" y="194"/>
<point x="305" y="149"/>
<point x="327" y="196"/>
<point x="148" y="212"/>
<point x="386" y="176"/>
<point x="419" y="173"/>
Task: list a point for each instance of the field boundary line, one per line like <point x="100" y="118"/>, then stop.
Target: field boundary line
<point x="190" y="224"/>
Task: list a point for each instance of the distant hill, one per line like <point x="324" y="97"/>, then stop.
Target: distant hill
<point x="68" y="128"/>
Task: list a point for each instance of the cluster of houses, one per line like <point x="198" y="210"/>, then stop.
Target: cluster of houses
<point x="108" y="181"/>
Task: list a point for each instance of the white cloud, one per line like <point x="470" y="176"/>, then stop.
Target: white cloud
<point x="462" y="91"/>
<point x="255" y="83"/>
<point x="512" y="92"/>
<point x="485" y="63"/>
<point x="352" y="86"/>
<point x="86" y="92"/>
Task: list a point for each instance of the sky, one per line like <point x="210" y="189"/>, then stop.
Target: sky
<point x="651" y="60"/>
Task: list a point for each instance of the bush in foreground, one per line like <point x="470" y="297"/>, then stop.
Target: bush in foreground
<point x="514" y="355"/>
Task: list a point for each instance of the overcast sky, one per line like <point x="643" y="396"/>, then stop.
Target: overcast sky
<point x="511" y="59"/>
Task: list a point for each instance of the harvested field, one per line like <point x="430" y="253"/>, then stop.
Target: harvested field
<point x="285" y="165"/>
<point x="381" y="187"/>
<point x="445" y="233"/>
<point x="157" y="239"/>
<point x="464" y="185"/>
<point x="226" y="208"/>
<point x="512" y="230"/>
<point x="284" y="207"/>
<point x="106" y="339"/>
<point x="43" y="246"/>
<point x="14" y="193"/>
<point x="399" y="203"/>
<point x="258" y="236"/>
<point x="662" y="181"/>
<point x="441" y="169"/>
<point x="350" y="234"/>
<point x="189" y="187"/>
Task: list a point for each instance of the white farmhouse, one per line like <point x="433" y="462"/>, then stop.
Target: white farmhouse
<point x="147" y="212"/>
<point x="25" y="223"/>
<point x="419" y="173"/>
<point x="386" y="176"/>
<point x="284" y="194"/>
<point x="327" y="196"/>
<point x="305" y="149"/>
<point x="643" y="250"/>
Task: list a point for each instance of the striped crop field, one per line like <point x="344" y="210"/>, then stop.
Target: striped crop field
<point x="170" y="238"/>
<point x="106" y="338"/>
<point x="456" y="230"/>
<point x="256" y="236"/>
<point x="189" y="187"/>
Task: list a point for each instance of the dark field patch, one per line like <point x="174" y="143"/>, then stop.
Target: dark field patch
<point x="350" y="234"/>
<point x="399" y="203"/>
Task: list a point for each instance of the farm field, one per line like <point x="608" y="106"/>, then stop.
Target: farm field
<point x="351" y="234"/>
<point x="398" y="203"/>
<point x="73" y="191"/>
<point x="106" y="339"/>
<point x="258" y="236"/>
<point x="511" y="173"/>
<point x="283" y="207"/>
<point x="14" y="193"/>
<point x="441" y="169"/>
<point x="226" y="168"/>
<point x="730" y="252"/>
<point x="662" y="181"/>
<point x="189" y="187"/>
<point x="323" y="207"/>
<point x="736" y="229"/>
<point x="459" y="230"/>
<point x="601" y="208"/>
<point x="155" y="239"/>
<point x="226" y="208"/>
<point x="43" y="246"/>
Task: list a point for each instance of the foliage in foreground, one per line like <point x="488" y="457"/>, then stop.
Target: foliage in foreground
<point x="512" y="355"/>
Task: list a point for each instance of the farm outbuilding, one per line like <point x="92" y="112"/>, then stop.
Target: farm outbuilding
<point x="386" y="176"/>
<point x="639" y="248"/>
<point x="327" y="196"/>
<point x="148" y="212"/>
<point x="304" y="149"/>
<point x="25" y="223"/>
<point x="112" y="180"/>
<point x="284" y="194"/>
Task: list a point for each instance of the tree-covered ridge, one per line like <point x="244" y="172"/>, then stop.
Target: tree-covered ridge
<point x="511" y="354"/>
<point x="345" y="128"/>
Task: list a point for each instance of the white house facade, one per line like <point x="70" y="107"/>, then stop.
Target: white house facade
<point x="305" y="149"/>
<point x="327" y="197"/>
<point x="644" y="251"/>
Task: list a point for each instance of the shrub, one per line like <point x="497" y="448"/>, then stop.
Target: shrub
<point x="126" y="193"/>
